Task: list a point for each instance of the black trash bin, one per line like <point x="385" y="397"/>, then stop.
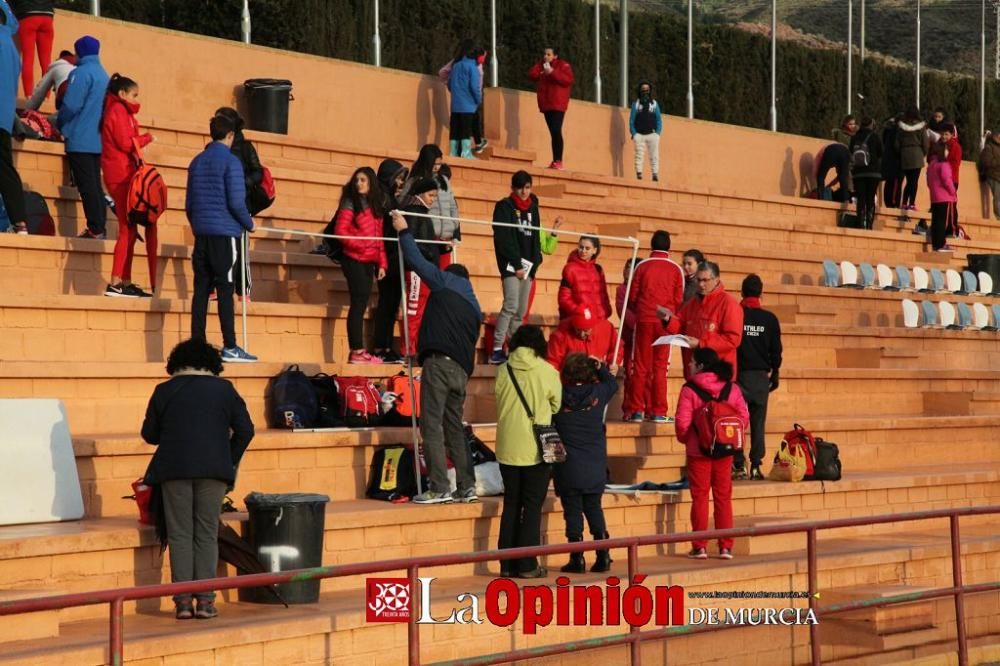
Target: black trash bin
<point x="286" y="530"/>
<point x="987" y="263"/>
<point x="267" y="104"/>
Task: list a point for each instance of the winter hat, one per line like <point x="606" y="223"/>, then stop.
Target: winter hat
<point x="583" y="319"/>
<point x="423" y="185"/>
<point x="87" y="46"/>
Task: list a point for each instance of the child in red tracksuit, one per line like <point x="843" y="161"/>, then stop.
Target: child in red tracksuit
<point x="704" y="474"/>
<point x="626" y="314"/>
<point x="119" y="136"/>
<point x="658" y="283"/>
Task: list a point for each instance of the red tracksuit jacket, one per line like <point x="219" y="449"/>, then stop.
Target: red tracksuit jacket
<point x="601" y="344"/>
<point x="716" y="320"/>
<point x="118" y="128"/>
<point x="658" y="281"/>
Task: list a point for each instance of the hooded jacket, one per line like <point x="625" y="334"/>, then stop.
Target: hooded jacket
<point x="989" y="159"/>
<point x="874" y="167"/>
<point x="10" y="68"/>
<point x="940" y="183"/>
<point x="511" y="245"/>
<point x="445" y="206"/>
<point x="57" y="74"/>
<point x="583" y="283"/>
<point x="118" y="128"/>
<point x="912" y="142"/>
<point x="553" y="88"/>
<point x="465" y="84"/>
<point x="580" y="422"/>
<point x="689" y="401"/>
<point x="601" y="343"/>
<point x="349" y="222"/>
<point x="79" y="117"/>
<point x="387" y="172"/>
<point x="216" y="194"/>
<point x="716" y="320"/>
<point x="645" y="118"/>
<point x="658" y="281"/>
<point x="540" y="384"/>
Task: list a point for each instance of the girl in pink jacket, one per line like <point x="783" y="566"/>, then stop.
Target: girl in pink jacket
<point x="710" y="374"/>
<point x="943" y="195"/>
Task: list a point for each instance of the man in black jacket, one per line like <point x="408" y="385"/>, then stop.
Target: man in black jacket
<point x="759" y="360"/>
<point x="446" y="350"/>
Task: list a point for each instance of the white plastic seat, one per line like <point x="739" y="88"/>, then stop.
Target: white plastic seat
<point x="849" y="275"/>
<point x="947" y="314"/>
<point x="884" y="274"/>
<point x="921" y="281"/>
<point x="985" y="283"/>
<point x="911" y="314"/>
<point x="953" y="281"/>
<point x="981" y="316"/>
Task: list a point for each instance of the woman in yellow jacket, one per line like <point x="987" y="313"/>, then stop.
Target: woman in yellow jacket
<point x="525" y="476"/>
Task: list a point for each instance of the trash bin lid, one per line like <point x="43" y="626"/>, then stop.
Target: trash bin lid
<point x="283" y="499"/>
<point x="267" y="83"/>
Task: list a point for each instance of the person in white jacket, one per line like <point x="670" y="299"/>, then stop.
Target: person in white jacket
<point x="57" y="74"/>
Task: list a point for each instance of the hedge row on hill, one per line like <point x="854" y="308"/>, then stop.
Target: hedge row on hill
<point x="732" y="67"/>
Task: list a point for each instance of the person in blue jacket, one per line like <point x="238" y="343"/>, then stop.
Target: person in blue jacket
<point x="10" y="71"/>
<point x="79" y="120"/>
<point x="466" y="86"/>
<point x="217" y="211"/>
<point x="645" y="124"/>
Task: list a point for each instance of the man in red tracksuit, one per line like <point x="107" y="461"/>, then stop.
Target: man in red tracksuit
<point x="657" y="285"/>
<point x="587" y="334"/>
<point x="713" y="319"/>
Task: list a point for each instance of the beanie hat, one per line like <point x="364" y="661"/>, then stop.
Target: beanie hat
<point x="423" y="185"/>
<point x="583" y="319"/>
<point x="87" y="46"/>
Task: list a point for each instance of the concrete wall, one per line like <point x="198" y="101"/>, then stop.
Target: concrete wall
<point x="186" y="77"/>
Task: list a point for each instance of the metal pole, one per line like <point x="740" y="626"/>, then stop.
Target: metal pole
<point x="862" y="33"/>
<point x="996" y="57"/>
<point x="811" y="559"/>
<point x="244" y="259"/>
<point x="377" y="40"/>
<point x="95" y="7"/>
<point x="982" y="72"/>
<point x="494" y="62"/>
<point x="623" y="12"/>
<point x="956" y="573"/>
<point x="414" y="431"/>
<point x="116" y="637"/>
<point x="245" y="22"/>
<point x="850" y="49"/>
<point x="597" y="51"/>
<point x="774" y="65"/>
<point x="690" y="94"/>
<point x="918" y="54"/>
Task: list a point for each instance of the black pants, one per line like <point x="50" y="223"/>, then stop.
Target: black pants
<point x="442" y="402"/>
<point x="865" y="189"/>
<point x="462" y="126"/>
<point x="241" y="260"/>
<point x="477" y="131"/>
<point x="910" y="191"/>
<point x="554" y="119"/>
<point x="575" y="507"/>
<point x="390" y="293"/>
<point x="892" y="191"/>
<point x="755" y="386"/>
<point x="951" y="225"/>
<point x="86" y="170"/>
<point x="214" y="260"/>
<point x="524" y="490"/>
<point x="11" y="187"/>
<point x="359" y="283"/>
<point x="940" y="213"/>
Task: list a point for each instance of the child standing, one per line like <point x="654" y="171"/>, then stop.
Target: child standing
<point x="626" y="314"/>
<point x="119" y="138"/>
<point x="645" y="124"/>
<point x="943" y="195"/>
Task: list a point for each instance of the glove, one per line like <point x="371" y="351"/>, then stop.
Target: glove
<point x="773" y="384"/>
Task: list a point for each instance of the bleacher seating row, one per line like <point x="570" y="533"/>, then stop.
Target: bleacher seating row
<point x="951" y="316"/>
<point x="864" y="276"/>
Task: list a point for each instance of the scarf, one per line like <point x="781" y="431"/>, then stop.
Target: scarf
<point x="752" y="302"/>
<point x="521" y="204"/>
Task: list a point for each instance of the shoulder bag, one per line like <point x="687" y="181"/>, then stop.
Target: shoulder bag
<point x="550" y="445"/>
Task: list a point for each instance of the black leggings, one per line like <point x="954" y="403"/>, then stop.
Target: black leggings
<point x="390" y="293"/>
<point x="865" y="189"/>
<point x="940" y="213"/>
<point x="359" y="283"/>
<point x="575" y="507"/>
<point x="554" y="119"/>
<point x="910" y="191"/>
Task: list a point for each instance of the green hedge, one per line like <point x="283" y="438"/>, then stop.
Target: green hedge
<point x="731" y="67"/>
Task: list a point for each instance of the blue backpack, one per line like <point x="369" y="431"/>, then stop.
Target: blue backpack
<point x="293" y="401"/>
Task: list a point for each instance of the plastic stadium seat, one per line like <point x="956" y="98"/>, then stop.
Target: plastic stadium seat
<point x="995" y="309"/>
<point x="947" y="311"/>
<point x="982" y="317"/>
<point x="831" y="276"/>
<point x="969" y="283"/>
<point x="964" y="315"/>
<point x="921" y="282"/>
<point x="903" y="278"/>
<point x="911" y="314"/>
<point x="849" y="276"/>
<point x="930" y="313"/>
<point x="937" y="280"/>
<point x="985" y="283"/>
<point x="884" y="274"/>
<point x="953" y="281"/>
<point x="867" y="275"/>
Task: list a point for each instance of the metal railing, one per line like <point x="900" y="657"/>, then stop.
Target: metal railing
<point x="634" y="638"/>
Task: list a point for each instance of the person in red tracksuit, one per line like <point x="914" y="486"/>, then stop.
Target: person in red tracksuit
<point x="658" y="284"/>
<point x="710" y="374"/>
<point x="583" y="282"/>
<point x="119" y="129"/>
<point x="714" y="319"/>
<point x="626" y="314"/>
<point x="588" y="334"/>
<point x="554" y="79"/>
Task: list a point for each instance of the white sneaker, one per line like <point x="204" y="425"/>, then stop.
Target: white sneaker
<point x="431" y="497"/>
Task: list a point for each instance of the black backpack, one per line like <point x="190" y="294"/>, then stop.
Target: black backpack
<point x="827" y="465"/>
<point x="392" y="476"/>
<point x="293" y="401"/>
<point x="328" y="400"/>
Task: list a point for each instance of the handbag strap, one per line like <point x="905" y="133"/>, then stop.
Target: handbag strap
<point x="517" y="387"/>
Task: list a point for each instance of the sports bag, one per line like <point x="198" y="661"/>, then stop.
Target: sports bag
<point x="147" y="193"/>
<point x="398" y="403"/>
<point x="293" y="401"/>
<point x="360" y="402"/>
<point x="789" y="464"/>
<point x="391" y="476"/>
<point x="800" y="438"/>
<point x="718" y="424"/>
<point x="262" y="195"/>
<point x="861" y="157"/>
<point x="827" y="466"/>
<point x="328" y="401"/>
<point x="38" y="218"/>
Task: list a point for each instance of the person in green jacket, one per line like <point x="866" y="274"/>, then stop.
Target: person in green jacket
<point x="525" y="476"/>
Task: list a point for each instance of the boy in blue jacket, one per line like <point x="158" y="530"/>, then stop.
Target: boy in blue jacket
<point x="10" y="71"/>
<point x="645" y="124"/>
<point x="217" y="211"/>
<point x="79" y="120"/>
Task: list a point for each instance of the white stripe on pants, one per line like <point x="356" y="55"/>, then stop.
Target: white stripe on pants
<point x="644" y="142"/>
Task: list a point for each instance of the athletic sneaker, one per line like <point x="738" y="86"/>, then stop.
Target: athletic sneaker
<point x="656" y="177"/>
<point x="945" y="248"/>
<point x="661" y="419"/>
<point x="498" y="357"/>
<point x="635" y="418"/>
<point x="920" y="229"/>
<point x="756" y="474"/>
<point x="110" y="202"/>
<point x="21" y="229"/>
<point x="557" y="165"/>
<point x="87" y="233"/>
<point x="481" y="146"/>
<point x="135" y="291"/>
<point x="206" y="610"/>
<point x="739" y="474"/>
<point x="725" y="554"/>
<point x="183" y="610"/>
<point x="364" y="357"/>
<point x="118" y="291"/>
<point x="698" y="554"/>
<point x="431" y="497"/>
<point x="467" y="497"/>
<point x="391" y="357"/>
<point x="237" y="355"/>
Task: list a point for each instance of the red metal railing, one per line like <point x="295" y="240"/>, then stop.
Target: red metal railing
<point x="633" y="638"/>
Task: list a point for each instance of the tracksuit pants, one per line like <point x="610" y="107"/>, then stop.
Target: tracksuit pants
<point x="646" y="383"/>
<point x="715" y="475"/>
<point x="643" y="143"/>
<point x="417" y="294"/>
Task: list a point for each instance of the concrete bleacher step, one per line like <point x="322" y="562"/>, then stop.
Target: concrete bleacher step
<point x="40" y="626"/>
<point x="884" y="628"/>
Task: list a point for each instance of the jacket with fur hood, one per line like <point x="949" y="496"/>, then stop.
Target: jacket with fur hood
<point x="689" y="401"/>
<point x="912" y="142"/>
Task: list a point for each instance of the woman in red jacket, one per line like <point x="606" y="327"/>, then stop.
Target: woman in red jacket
<point x="710" y="375"/>
<point x="119" y="138"/>
<point x="360" y="214"/>
<point x="583" y="282"/>
<point x="555" y="79"/>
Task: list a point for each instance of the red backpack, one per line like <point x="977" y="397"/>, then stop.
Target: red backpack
<point x="360" y="402"/>
<point x="800" y="438"/>
<point x="718" y="424"/>
<point x="147" y="193"/>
